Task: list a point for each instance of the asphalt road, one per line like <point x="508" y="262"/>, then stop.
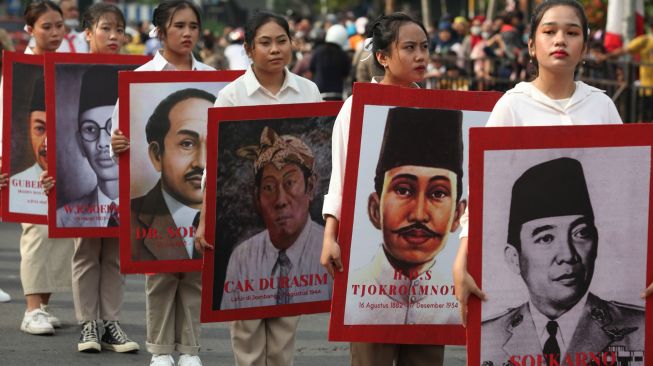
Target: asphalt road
<point x="18" y="348"/>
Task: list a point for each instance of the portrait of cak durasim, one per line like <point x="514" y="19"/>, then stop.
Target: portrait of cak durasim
<point x="281" y="264"/>
<point x="176" y="138"/>
<point x="552" y="245"/>
<point x="416" y="204"/>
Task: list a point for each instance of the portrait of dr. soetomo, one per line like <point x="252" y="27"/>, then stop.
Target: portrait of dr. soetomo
<point x="97" y="99"/>
<point x="552" y="244"/>
<point x="416" y="205"/>
<point x="162" y="220"/>
<point x="281" y="264"/>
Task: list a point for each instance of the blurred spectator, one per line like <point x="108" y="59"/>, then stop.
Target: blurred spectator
<point x="5" y="44"/>
<point x="73" y="41"/>
<point x="134" y="46"/>
<point x="235" y="52"/>
<point x="642" y="46"/>
<point x="357" y="39"/>
<point x="330" y="64"/>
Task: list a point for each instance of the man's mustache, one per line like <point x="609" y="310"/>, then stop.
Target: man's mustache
<point x="417" y="226"/>
<point x="193" y="173"/>
<point x="43" y="152"/>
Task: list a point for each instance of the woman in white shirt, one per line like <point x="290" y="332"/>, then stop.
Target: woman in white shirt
<point x="400" y="47"/>
<point x="173" y="299"/>
<point x="98" y="286"/>
<point x="268" y="341"/>
<point x="557" y="44"/>
<point x="39" y="276"/>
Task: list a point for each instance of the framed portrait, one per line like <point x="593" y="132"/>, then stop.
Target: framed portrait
<point x="560" y="243"/>
<point x="81" y="93"/>
<point x="268" y="172"/>
<point x="405" y="188"/>
<point x="164" y="116"/>
<point x="24" y="149"/>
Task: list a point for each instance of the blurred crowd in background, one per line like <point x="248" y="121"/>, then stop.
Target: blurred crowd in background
<point x="465" y="54"/>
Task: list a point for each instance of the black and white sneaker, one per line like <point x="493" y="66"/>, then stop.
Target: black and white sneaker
<point x="115" y="339"/>
<point x="89" y="341"/>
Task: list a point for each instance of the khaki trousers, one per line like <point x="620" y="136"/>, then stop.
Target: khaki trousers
<point x="264" y="342"/>
<point x="173" y="312"/>
<point x="44" y="262"/>
<point x="97" y="282"/>
<point x="381" y="354"/>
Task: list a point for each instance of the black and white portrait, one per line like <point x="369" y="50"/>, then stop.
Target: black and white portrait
<point x="565" y="236"/>
<point x="87" y="176"/>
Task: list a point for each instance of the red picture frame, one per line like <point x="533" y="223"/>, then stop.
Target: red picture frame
<point x="489" y="145"/>
<point x="367" y="94"/>
<point x="52" y="61"/>
<point x="242" y="115"/>
<point x="10" y="60"/>
<point x="128" y="81"/>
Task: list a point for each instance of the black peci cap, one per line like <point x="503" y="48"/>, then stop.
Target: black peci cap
<point x="553" y="188"/>
<point x="421" y="137"/>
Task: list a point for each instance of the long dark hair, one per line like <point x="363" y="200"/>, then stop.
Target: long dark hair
<point x="384" y="31"/>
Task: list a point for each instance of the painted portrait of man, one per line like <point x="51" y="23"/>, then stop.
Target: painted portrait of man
<point x="26" y="195"/>
<point x="281" y="264"/>
<point x="97" y="99"/>
<point x="552" y="245"/>
<point x="416" y="205"/>
<point x="162" y="220"/>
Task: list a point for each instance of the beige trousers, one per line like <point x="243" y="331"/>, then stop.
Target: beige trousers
<point x="97" y="282"/>
<point x="381" y="354"/>
<point x="264" y="342"/>
<point x="44" y="262"/>
<point x="173" y="312"/>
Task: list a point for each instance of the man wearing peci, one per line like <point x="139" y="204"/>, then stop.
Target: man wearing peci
<point x="416" y="204"/>
<point x="162" y="219"/>
<point x="290" y="246"/>
<point x="552" y="245"/>
<point x="98" y="95"/>
<point x="25" y="193"/>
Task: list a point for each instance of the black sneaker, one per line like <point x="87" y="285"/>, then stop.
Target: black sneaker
<point x="89" y="341"/>
<point x="115" y="339"/>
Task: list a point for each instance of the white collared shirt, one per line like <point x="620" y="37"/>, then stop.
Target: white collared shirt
<point x="26" y="193"/>
<point x="158" y="63"/>
<point x="525" y="105"/>
<point x="246" y="90"/>
<point x="567" y="324"/>
<point x="183" y="216"/>
<point x="398" y="299"/>
<point x="104" y="201"/>
<point x="254" y="260"/>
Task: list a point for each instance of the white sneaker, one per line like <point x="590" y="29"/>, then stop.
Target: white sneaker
<point x="4" y="297"/>
<point x="162" y="360"/>
<point x="36" y="322"/>
<point x="51" y="318"/>
<point x="189" y="360"/>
